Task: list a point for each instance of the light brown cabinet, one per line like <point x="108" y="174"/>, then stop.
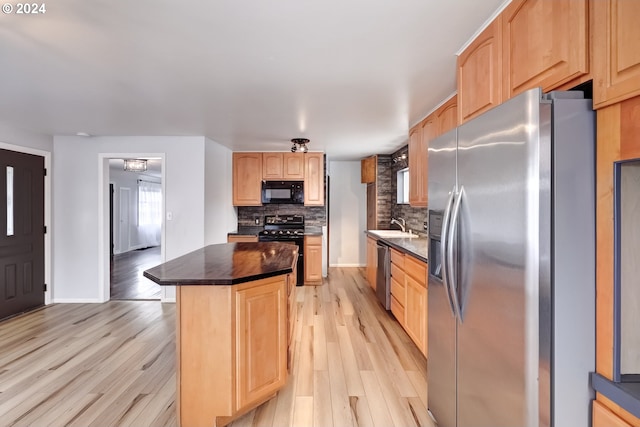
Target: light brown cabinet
<point x="480" y="73"/>
<point x="616" y="53"/>
<point x="372" y="262"/>
<point x="398" y="289"/>
<point x="247" y="178"/>
<point x="446" y="117"/>
<point x="248" y="363"/>
<point x="368" y="169"/>
<point x="546" y="43"/>
<point x="261" y="340"/>
<point x="285" y="166"/>
<point x="312" y="260"/>
<point x="415" y="309"/>
<point x="418" y="166"/>
<point x="409" y="296"/>
<point x="241" y="238"/>
<point x="291" y="318"/>
<point x="249" y="169"/>
<point x="603" y="417"/>
<point x="314" y="179"/>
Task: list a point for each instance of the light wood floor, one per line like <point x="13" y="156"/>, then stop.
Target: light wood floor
<point x="113" y="364"/>
<point x="127" y="281"/>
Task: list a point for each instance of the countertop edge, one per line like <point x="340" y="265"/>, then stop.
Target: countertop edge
<point x="217" y="282"/>
<point x="626" y="395"/>
<point x="393" y="242"/>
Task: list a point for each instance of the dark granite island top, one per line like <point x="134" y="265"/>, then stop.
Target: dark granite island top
<point x="226" y="264"/>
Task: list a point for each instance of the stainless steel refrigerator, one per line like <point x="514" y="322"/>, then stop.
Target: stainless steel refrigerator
<point x="511" y="292"/>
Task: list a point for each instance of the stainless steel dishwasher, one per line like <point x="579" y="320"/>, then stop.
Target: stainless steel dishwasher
<point x="383" y="276"/>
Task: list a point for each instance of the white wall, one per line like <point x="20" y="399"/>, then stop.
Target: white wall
<point x="80" y="205"/>
<point x="347" y="215"/>
<point x="19" y="137"/>
<point x="220" y="215"/>
<point x="139" y="237"/>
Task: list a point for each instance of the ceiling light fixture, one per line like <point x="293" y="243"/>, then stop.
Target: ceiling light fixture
<point x="299" y="144"/>
<point x="135" y="165"/>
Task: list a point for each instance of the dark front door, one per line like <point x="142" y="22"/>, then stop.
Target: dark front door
<point x="21" y="232"/>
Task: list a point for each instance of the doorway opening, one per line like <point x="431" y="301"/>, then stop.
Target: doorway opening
<point x="136" y="211"/>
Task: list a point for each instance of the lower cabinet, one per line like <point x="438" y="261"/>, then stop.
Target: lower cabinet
<point x="603" y="417"/>
<point x="372" y="262"/>
<point x="398" y="288"/>
<point x="261" y="341"/>
<point x="231" y="349"/>
<point x="312" y="260"/>
<point x="409" y="296"/>
<point x="291" y="318"/>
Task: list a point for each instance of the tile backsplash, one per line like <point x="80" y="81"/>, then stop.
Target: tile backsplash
<point x="415" y="217"/>
<point x="313" y="215"/>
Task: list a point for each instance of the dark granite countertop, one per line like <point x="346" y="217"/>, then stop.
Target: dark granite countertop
<point x="625" y="394"/>
<point x="226" y="264"/>
<point x="415" y="246"/>
<point x="312" y="230"/>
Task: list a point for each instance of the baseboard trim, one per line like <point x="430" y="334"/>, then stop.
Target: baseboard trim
<point x="347" y="265"/>
<point x="76" y="301"/>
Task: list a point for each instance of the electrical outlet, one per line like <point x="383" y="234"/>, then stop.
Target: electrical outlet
<point x="257" y="221"/>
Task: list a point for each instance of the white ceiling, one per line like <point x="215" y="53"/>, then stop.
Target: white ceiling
<point x="350" y="75"/>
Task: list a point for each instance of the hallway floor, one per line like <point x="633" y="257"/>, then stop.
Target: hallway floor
<point x="127" y="282"/>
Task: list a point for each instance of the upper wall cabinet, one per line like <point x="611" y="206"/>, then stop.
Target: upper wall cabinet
<point x="368" y="169"/>
<point x="546" y="43"/>
<point x="616" y="51"/>
<point x="417" y="168"/>
<point x="247" y="175"/>
<point x="314" y="179"/>
<point x="447" y="116"/>
<point x="286" y="166"/>
<point x="480" y="73"/>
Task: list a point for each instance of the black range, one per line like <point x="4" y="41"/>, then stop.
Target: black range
<point x="286" y="228"/>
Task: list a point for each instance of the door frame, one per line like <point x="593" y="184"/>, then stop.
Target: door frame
<point x="47" y="211"/>
<point x="104" y="258"/>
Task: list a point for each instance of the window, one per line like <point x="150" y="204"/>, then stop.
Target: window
<point x="402" y="178"/>
<point x="149" y="203"/>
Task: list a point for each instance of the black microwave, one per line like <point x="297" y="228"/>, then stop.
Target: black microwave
<point x="283" y="192"/>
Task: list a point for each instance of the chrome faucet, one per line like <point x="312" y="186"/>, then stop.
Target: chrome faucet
<point x="402" y="224"/>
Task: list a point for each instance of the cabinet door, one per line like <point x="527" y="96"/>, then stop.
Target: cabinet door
<point x="247" y="178"/>
<point x="372" y="262"/>
<point x="415" y="312"/>
<point x="314" y="179"/>
<point x="368" y="168"/>
<point x="616" y="53"/>
<point x="417" y="167"/>
<point x="261" y="341"/>
<point x="313" y="260"/>
<point x="480" y="73"/>
<point x="272" y="165"/>
<point x="447" y="116"/>
<point x="418" y="161"/>
<point x="546" y="43"/>
<point x="293" y="164"/>
<point x="603" y="417"/>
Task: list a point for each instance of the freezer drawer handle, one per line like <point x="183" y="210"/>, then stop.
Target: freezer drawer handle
<point x="443" y="249"/>
<point x="450" y="252"/>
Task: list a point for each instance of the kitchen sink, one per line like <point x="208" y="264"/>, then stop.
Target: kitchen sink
<point x="393" y="234"/>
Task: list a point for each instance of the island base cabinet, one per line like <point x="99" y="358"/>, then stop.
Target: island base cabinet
<point x="231" y="349"/>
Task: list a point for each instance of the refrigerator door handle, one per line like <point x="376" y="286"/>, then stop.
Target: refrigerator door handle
<point x="443" y="249"/>
<point x="451" y="265"/>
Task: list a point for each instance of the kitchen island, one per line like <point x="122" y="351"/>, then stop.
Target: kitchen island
<point x="234" y="323"/>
